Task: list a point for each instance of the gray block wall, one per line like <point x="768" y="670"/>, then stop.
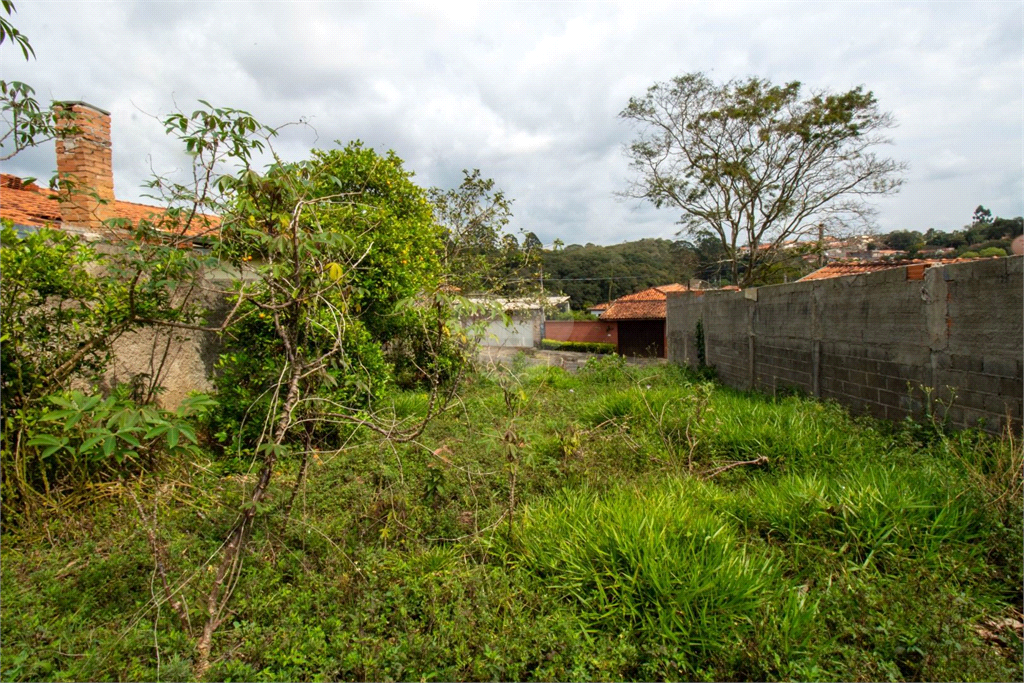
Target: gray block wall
<point x="879" y="343"/>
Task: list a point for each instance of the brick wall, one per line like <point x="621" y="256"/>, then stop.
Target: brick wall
<point x="861" y="340"/>
<point x="591" y="331"/>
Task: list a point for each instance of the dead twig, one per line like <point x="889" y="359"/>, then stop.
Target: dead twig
<point x="760" y="460"/>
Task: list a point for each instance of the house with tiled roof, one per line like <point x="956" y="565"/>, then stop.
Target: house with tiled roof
<point x="640" y="318"/>
<point x="84" y="158"/>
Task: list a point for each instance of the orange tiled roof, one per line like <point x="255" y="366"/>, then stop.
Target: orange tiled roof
<point x="844" y="268"/>
<point x="648" y="304"/>
<point x="30" y="204"/>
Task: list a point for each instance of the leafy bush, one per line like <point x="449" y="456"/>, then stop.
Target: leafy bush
<point x="606" y="369"/>
<point x="582" y="347"/>
<point x="376" y="322"/>
<point x="86" y="438"/>
<point x="62" y="306"/>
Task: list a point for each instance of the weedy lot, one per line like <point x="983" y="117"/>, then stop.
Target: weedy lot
<point x="618" y="523"/>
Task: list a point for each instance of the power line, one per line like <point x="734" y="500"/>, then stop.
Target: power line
<point x="583" y="279"/>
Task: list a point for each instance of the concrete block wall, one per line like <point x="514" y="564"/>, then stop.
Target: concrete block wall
<point x="876" y="343"/>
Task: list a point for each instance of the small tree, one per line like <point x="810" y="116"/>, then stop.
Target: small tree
<point x="473" y="217"/>
<point x="755" y="164"/>
<point x="479" y="256"/>
<point x="330" y="253"/>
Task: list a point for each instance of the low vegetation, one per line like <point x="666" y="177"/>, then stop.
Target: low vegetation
<point x="582" y="347"/>
<point x="619" y="523"/>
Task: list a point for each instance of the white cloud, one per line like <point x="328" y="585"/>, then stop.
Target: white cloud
<point x="529" y="92"/>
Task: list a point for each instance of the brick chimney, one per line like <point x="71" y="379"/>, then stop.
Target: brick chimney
<point x="84" y="158"/>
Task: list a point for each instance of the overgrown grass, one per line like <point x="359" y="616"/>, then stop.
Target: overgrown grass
<point x="841" y="549"/>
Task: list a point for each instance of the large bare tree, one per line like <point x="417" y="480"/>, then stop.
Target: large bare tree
<point x="756" y="164"/>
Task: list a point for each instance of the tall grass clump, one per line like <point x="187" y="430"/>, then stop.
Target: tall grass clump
<point x="652" y="562"/>
<point x="868" y="516"/>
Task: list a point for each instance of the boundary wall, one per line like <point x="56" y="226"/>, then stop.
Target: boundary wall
<point x="877" y="343"/>
<point x="590" y="331"/>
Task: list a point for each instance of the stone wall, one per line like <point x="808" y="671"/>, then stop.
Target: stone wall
<point x="178" y="360"/>
<point x="875" y="342"/>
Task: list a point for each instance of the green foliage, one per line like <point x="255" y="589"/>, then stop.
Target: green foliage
<point x="26" y="123"/>
<point x="855" y="553"/>
<point x="648" y="562"/>
<point x="84" y="438"/>
<point x="997" y="232"/>
<point x="992" y="251"/>
<point x="702" y="351"/>
<point x="350" y="227"/>
<point x="607" y="369"/>
<point x="575" y="315"/>
<point x="478" y="255"/>
<point x="62" y="306"/>
<point x="582" y="347"/>
<point x="904" y="240"/>
<point x="391" y="213"/>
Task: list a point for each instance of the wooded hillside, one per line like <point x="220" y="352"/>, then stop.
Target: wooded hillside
<point x="592" y="274"/>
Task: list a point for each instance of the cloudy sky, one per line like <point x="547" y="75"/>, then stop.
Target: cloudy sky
<point x="529" y="92"/>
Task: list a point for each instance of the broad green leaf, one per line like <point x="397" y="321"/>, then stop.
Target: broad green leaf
<point x="129" y="438"/>
<point x="156" y="431"/>
<point x="57" y="415"/>
<point x="188" y="432"/>
<point x="90" y="444"/>
<point x="45" y="440"/>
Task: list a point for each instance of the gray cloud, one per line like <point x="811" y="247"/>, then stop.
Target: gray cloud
<point x="529" y="92"/>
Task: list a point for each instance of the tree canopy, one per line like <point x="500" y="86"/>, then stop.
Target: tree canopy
<point x="479" y="256"/>
<point x="755" y="163"/>
<point x="593" y="274"/>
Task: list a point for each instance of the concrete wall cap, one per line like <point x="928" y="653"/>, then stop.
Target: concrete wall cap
<point x="80" y="103"/>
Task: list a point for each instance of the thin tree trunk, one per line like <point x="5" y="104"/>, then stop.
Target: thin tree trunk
<point x="220" y="593"/>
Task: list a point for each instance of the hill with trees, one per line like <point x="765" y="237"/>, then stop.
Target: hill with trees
<point x="591" y="273"/>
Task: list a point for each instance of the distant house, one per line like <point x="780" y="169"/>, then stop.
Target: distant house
<point x="640" y="318"/>
<point x="527" y="314"/>
<point x="598" y="309"/>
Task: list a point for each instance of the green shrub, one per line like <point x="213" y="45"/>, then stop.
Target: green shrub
<point x="607" y="369"/>
<point x="582" y="347"/>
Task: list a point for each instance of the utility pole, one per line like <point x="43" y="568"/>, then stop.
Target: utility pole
<point x="821" y="245"/>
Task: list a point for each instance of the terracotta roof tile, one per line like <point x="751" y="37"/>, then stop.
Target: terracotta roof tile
<point x="30" y="204"/>
<point x="845" y="268"/>
<point x="648" y="304"/>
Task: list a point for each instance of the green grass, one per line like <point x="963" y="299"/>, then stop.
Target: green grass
<point x="856" y="551"/>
